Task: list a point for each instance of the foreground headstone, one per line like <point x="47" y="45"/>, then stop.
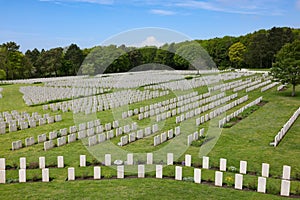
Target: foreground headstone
<point x="2" y="176"/>
<point x="218" y="178"/>
<point x="60" y="161"/>
<point x="188" y="160"/>
<point x="2" y="163"/>
<point x="205" y="162"/>
<point x="238" y="181"/>
<point x="178" y="173"/>
<point x="42" y="162"/>
<point x="149" y="158"/>
<point x="285" y="188"/>
<point x="197" y="175"/>
<point x="97" y="172"/>
<point x="45" y="175"/>
<point x="107" y="160"/>
<point x="82" y="160"/>
<point x="243" y="167"/>
<point x="261" y="186"/>
<point x="265" y="170"/>
<point x="22" y="175"/>
<point x="141" y="171"/>
<point x="170" y="159"/>
<point x="223" y="164"/>
<point x="23" y="163"/>
<point x="286" y="172"/>
<point x="71" y="174"/>
<point x="120" y="171"/>
<point x="159" y="171"/>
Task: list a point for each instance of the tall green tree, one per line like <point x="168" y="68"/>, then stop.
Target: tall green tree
<point x="74" y="58"/>
<point x="236" y="54"/>
<point x="286" y="68"/>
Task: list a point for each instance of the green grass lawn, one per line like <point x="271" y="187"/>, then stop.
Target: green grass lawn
<point x="247" y="140"/>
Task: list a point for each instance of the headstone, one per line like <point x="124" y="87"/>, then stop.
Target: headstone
<point x="60" y="161"/>
<point x="71" y="138"/>
<point x="101" y="137"/>
<point x="71" y="174"/>
<point x="178" y="173"/>
<point x="170" y="159"/>
<point x="82" y="161"/>
<point x="129" y="159"/>
<point x="177" y="130"/>
<point x="157" y="140"/>
<point x="159" y="171"/>
<point x="188" y="160"/>
<point x="22" y="175"/>
<point x="120" y="171"/>
<point x="261" y="187"/>
<point x="42" y="162"/>
<point x="23" y="163"/>
<point x="131" y="137"/>
<point x="2" y="176"/>
<point x="286" y="172"/>
<point x="223" y="162"/>
<point x="265" y="170"/>
<point x="61" y="141"/>
<point x="197" y="175"/>
<point x="63" y="132"/>
<point x="205" y="162"/>
<point x="218" y="178"/>
<point x="141" y="171"/>
<point x="170" y="134"/>
<point x="42" y="138"/>
<point x="285" y="188"/>
<point x="189" y="139"/>
<point x="2" y="163"/>
<point x="149" y="158"/>
<point x="48" y="145"/>
<point x="90" y="132"/>
<point x="92" y="140"/>
<point x="238" y="181"/>
<point x="97" y="172"/>
<point x="107" y="160"/>
<point x="163" y="137"/>
<point x="45" y="175"/>
<point x="81" y="134"/>
<point x="140" y="134"/>
<point x="243" y="167"/>
<point x="52" y="135"/>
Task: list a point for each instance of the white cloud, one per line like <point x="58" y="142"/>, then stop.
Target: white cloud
<point x="103" y="2"/>
<point x="149" y="41"/>
<point x="162" y="12"/>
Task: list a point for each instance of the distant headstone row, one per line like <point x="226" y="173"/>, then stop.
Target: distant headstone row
<point x="249" y="89"/>
<point x="269" y="86"/>
<point x="286" y="127"/>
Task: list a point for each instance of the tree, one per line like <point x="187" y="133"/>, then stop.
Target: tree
<point x="74" y="57"/>
<point x="236" y="54"/>
<point x="286" y="68"/>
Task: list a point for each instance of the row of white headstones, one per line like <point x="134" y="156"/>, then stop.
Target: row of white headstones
<point x="285" y="182"/>
<point x="269" y="86"/>
<point x="286" y="127"/>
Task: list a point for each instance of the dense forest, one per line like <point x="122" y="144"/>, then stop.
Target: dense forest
<point x="254" y="50"/>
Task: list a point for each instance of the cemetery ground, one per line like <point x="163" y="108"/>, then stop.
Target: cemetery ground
<point x="247" y="140"/>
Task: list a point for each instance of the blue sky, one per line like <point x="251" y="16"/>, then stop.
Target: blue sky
<point x="52" y="23"/>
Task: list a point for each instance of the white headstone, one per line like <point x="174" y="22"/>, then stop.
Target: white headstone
<point x="265" y="170"/>
<point x="205" y="162"/>
<point x="238" y="181"/>
<point x="285" y="188"/>
<point x="120" y="171"/>
<point x="22" y="175"/>
<point x="23" y="163"/>
<point x="129" y="159"/>
<point x="178" y="173"/>
<point x="223" y="162"/>
<point x="261" y="187"/>
<point x="107" y="160"/>
<point x="60" y="161"/>
<point x="170" y="159"/>
<point x="141" y="171"/>
<point x="2" y="176"/>
<point x="159" y="171"/>
<point x="45" y="175"/>
<point x="197" y="175"/>
<point x="243" y="167"/>
<point x="218" y="178"/>
<point x="188" y="160"/>
<point x="42" y="162"/>
<point x="149" y="158"/>
<point x="286" y="172"/>
<point x="82" y="160"/>
<point x="97" y="172"/>
<point x="71" y="174"/>
<point x="2" y="163"/>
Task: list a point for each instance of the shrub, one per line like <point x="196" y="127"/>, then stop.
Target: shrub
<point x="232" y="169"/>
<point x="229" y="181"/>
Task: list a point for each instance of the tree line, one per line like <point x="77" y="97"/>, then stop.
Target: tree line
<point x="254" y="50"/>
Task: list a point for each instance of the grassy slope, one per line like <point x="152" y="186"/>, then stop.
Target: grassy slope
<point x="247" y="140"/>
